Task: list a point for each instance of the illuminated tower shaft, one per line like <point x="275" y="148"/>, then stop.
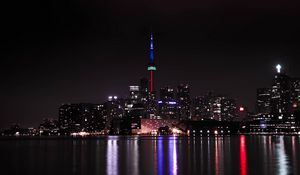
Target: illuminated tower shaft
<point x="151" y="66"/>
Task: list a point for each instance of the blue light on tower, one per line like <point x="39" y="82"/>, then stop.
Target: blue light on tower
<point x="151" y="49"/>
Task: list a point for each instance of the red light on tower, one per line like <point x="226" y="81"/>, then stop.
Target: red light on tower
<point x="242" y="109"/>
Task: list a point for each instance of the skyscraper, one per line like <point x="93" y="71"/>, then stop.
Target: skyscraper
<point x="280" y="95"/>
<point x="263" y="100"/>
<point x="295" y="94"/>
<point x="216" y="106"/>
<point x="228" y="109"/>
<point x="167" y="105"/>
<point x="134" y="94"/>
<point x="184" y="101"/>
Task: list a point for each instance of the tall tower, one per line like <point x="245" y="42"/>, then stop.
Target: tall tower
<point x="151" y="67"/>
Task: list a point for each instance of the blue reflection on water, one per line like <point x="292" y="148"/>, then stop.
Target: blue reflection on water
<point x="112" y="157"/>
<point x="160" y="156"/>
<point x="172" y="156"/>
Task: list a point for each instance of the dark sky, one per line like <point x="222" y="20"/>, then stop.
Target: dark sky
<point x="57" y="51"/>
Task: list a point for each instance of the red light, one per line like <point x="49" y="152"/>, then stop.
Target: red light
<point x="243" y="156"/>
<point x="295" y="105"/>
<point x="242" y="109"/>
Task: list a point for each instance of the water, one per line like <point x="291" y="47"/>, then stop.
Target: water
<point x="245" y="155"/>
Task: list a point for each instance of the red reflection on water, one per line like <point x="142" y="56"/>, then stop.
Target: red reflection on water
<point x="243" y="156"/>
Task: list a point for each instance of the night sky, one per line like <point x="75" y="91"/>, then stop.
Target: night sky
<point x="58" y="51"/>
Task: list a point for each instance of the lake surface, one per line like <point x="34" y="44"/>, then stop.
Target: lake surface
<point x="245" y="155"/>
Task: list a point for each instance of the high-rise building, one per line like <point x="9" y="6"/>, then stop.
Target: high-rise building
<point x="167" y="105"/>
<point x="134" y="94"/>
<point x="202" y="107"/>
<point x="263" y="100"/>
<point x="115" y="107"/>
<point x="198" y="109"/>
<point x="295" y="94"/>
<point x="228" y="109"/>
<point x="279" y="103"/>
<point x="280" y="95"/>
<point x="144" y="90"/>
<point x="167" y="94"/>
<point x="184" y="101"/>
<point x="216" y="105"/>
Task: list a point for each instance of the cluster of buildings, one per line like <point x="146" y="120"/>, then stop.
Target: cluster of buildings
<point x="277" y="106"/>
<point x="172" y="110"/>
<point x="148" y="111"/>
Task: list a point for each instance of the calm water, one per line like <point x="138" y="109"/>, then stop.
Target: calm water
<point x="152" y="155"/>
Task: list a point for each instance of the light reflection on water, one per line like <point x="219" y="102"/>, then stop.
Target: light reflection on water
<point x="228" y="155"/>
<point x="243" y="155"/>
<point x="281" y="157"/>
<point x="160" y="157"/>
<point x="173" y="156"/>
<point x="112" y="157"/>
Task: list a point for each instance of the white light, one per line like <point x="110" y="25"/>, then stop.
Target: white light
<point x="278" y="67"/>
<point x="134" y="88"/>
<point x="175" y="131"/>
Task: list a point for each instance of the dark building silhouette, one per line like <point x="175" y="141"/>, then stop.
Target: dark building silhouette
<point x="214" y="107"/>
<point x="82" y="117"/>
<point x="184" y="101"/>
<point x="228" y="110"/>
<point x="281" y="94"/>
<point x="295" y="94"/>
<point x="167" y="105"/>
<point x="135" y="94"/>
<point x="263" y="100"/>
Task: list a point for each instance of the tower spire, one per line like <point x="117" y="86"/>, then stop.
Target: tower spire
<point x="151" y="49"/>
<point x="151" y="66"/>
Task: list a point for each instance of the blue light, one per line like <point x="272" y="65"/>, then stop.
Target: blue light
<point x="151" y="49"/>
<point x="168" y="102"/>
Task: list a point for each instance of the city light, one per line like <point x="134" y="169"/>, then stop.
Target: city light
<point x="242" y="109"/>
<point x="82" y="134"/>
<point x="176" y="131"/>
<point x="134" y="88"/>
<point x="278" y="67"/>
<point x="151" y="68"/>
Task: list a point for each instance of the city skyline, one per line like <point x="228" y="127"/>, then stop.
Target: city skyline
<point x="250" y="107"/>
<point x="279" y="70"/>
<point x="85" y="51"/>
<point x="150" y="87"/>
